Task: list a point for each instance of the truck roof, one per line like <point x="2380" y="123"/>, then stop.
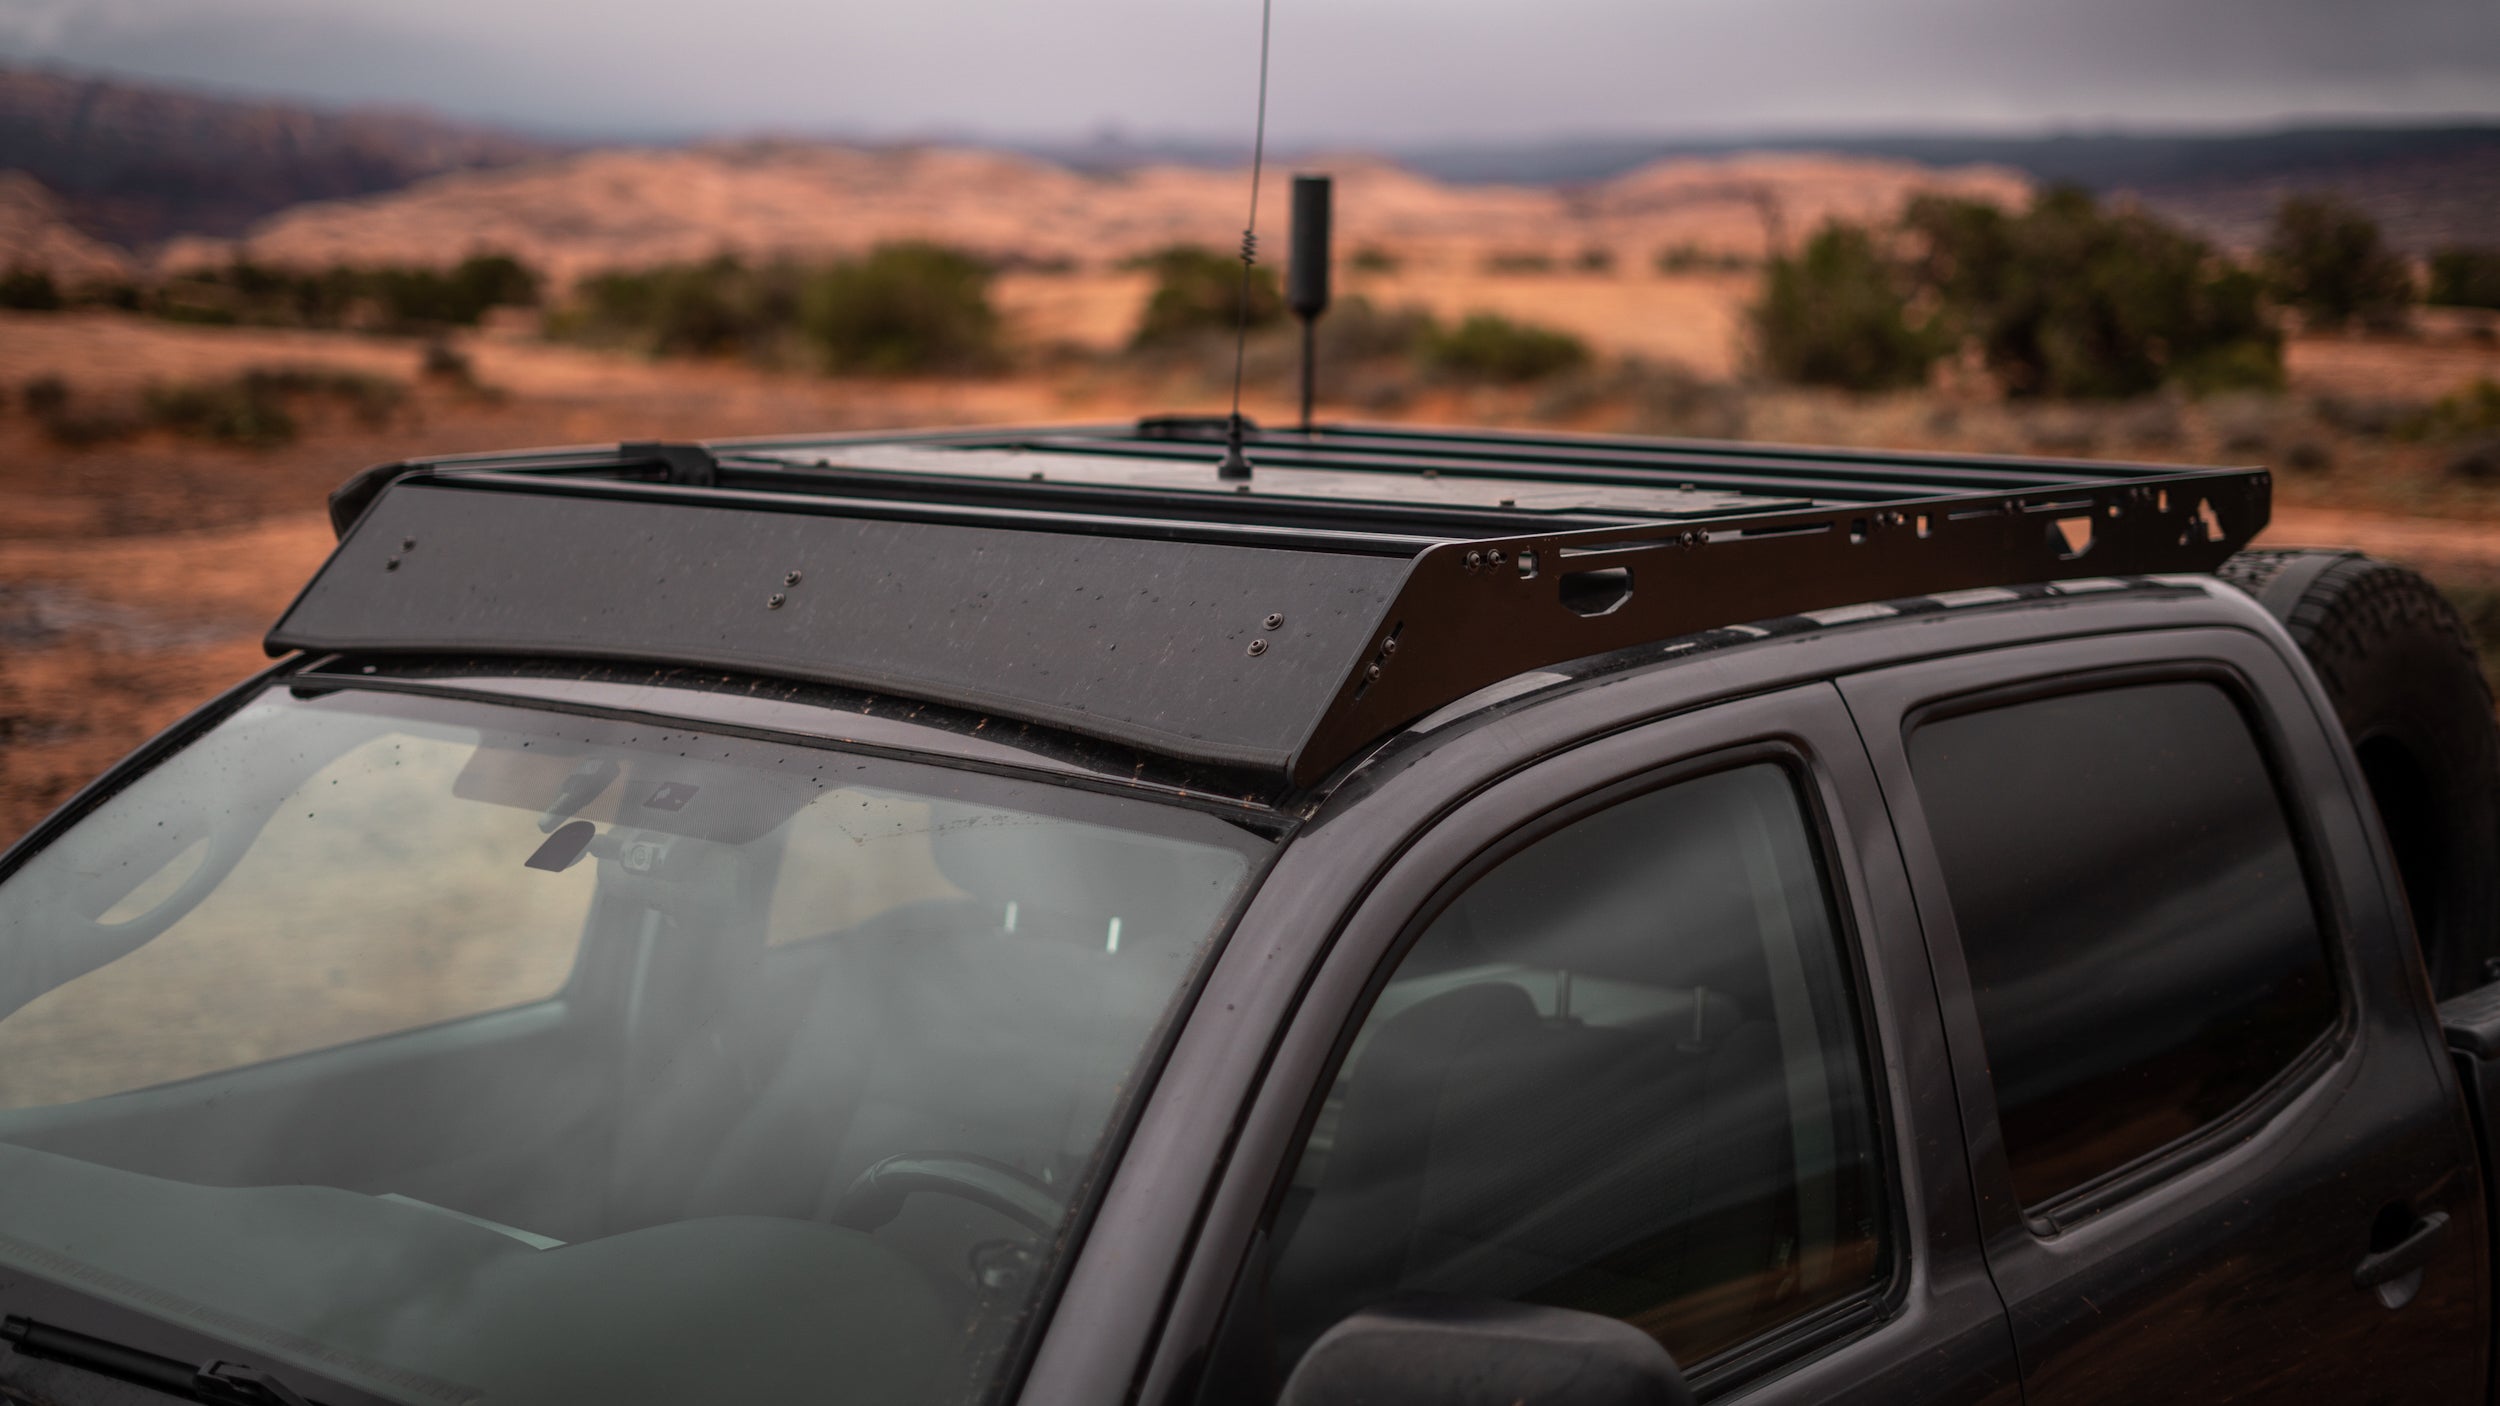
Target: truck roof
<point x="1105" y="580"/>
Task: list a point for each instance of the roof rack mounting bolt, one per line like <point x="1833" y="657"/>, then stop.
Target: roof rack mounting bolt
<point x="1257" y="648"/>
<point x="1275" y="619"/>
<point x="790" y="577"/>
<point x="775" y="601"/>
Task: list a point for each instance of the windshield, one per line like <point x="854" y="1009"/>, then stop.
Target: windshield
<point x="464" y="1051"/>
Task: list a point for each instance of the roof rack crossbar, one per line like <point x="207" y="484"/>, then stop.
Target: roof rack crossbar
<point x="1757" y="477"/>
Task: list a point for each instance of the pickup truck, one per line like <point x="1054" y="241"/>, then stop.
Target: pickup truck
<point x="1011" y="916"/>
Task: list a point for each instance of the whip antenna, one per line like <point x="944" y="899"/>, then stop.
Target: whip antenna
<point x="1236" y="464"/>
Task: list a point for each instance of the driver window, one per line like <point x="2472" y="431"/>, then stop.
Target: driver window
<point x="373" y="901"/>
<point x="1622" y="1073"/>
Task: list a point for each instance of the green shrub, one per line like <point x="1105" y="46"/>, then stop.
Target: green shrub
<point x="1518" y="261"/>
<point x="1595" y="259"/>
<point x="2248" y="364"/>
<point x="257" y="409"/>
<point x="1838" y="314"/>
<point x="119" y="294"/>
<point x="1692" y="258"/>
<point x="2462" y="414"/>
<point x="195" y="300"/>
<point x="72" y="421"/>
<point x="484" y="281"/>
<point x="907" y="307"/>
<point x="417" y="298"/>
<point x="2464" y="277"/>
<point x="29" y="290"/>
<point x="2070" y="300"/>
<point x="46" y="396"/>
<point x="2477" y="462"/>
<point x="383" y="299"/>
<point x="1358" y="330"/>
<point x="1490" y="347"/>
<point x="1371" y="258"/>
<point x="2327" y="258"/>
<point x="717" y="308"/>
<point x="229" y="412"/>
<point x="90" y="425"/>
<point x="1199" y="290"/>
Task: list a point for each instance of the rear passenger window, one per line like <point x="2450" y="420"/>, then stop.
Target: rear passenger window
<point x="2142" y="944"/>
<point x="1623" y="1073"/>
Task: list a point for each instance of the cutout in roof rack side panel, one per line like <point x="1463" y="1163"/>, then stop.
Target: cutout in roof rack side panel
<point x="1158" y="644"/>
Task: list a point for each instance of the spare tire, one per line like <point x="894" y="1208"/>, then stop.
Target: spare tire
<point x="2406" y="684"/>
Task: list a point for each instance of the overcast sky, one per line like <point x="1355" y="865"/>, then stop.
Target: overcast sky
<point x="1380" y="71"/>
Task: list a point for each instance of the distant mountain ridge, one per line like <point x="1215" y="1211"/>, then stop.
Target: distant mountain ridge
<point x="2428" y="184"/>
<point x="135" y="166"/>
<point x="2098" y="160"/>
<point x="136" y="163"/>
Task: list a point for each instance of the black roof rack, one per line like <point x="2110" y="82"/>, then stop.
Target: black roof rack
<point x="1103" y="580"/>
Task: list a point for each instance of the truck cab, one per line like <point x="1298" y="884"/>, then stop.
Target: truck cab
<point x="1003" y="916"/>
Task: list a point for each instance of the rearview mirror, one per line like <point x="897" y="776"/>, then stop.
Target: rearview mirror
<point x="1472" y="1352"/>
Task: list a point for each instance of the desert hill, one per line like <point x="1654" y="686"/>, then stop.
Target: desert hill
<point x="36" y="233"/>
<point x="135" y="163"/>
<point x="2422" y="200"/>
<point x="625" y="208"/>
<point x="2426" y="185"/>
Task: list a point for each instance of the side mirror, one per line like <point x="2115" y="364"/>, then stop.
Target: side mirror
<point x="1473" y="1352"/>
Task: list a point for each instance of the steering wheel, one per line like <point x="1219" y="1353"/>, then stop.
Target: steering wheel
<point x="876" y="1197"/>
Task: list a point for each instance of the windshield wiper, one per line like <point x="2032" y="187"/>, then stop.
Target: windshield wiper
<point x="219" y="1382"/>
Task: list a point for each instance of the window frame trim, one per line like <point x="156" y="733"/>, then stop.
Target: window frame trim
<point x="2041" y="675"/>
<point x="1933" y="1270"/>
<point x="1790" y="1338"/>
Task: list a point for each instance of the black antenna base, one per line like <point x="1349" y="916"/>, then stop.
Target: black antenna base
<point x="1236" y="463"/>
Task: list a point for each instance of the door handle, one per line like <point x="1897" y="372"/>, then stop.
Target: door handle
<point x="2403" y="1257"/>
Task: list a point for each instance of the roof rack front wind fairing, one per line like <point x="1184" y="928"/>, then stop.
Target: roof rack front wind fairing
<point x="1104" y="580"/>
